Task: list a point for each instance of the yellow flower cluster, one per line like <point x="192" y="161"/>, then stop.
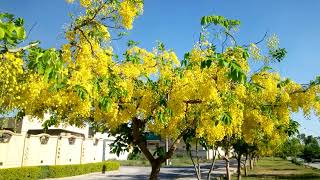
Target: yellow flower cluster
<point x="129" y="10"/>
<point x="11" y="72"/>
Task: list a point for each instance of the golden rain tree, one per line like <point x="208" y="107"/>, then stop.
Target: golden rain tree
<point x="144" y="90"/>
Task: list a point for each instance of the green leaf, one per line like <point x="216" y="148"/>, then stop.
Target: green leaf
<point x="266" y="68"/>
<point x="47" y="74"/>
<point x="19" y="22"/>
<point x="105" y="103"/>
<point x="81" y="91"/>
<point x="1" y="33"/>
<point x="226" y="118"/>
<point x="132" y="43"/>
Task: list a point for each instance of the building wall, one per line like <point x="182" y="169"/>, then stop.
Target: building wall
<point x="28" y="150"/>
<point x="36" y="153"/>
<point x="11" y="152"/>
<point x="69" y="153"/>
<point x="92" y="151"/>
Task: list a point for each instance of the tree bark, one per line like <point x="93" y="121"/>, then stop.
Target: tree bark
<point x="245" y="165"/>
<point x="227" y="168"/>
<point x="137" y="133"/>
<point x="239" y="167"/>
<point x="214" y="153"/>
<point x="198" y="164"/>
<point x="250" y="162"/>
<point x="194" y="165"/>
<point x="156" y="165"/>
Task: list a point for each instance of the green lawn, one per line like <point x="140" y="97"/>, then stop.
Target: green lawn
<point x="276" y="168"/>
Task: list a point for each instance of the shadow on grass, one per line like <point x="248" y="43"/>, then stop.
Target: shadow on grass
<point x="285" y="169"/>
<point x="287" y="176"/>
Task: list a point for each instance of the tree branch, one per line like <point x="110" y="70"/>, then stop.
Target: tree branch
<point x="23" y="48"/>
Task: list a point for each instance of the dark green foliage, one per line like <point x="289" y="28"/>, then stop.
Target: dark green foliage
<point x="132" y="43"/>
<point x="124" y="140"/>
<point x="311" y="149"/>
<point x="305" y="147"/>
<point x="278" y="54"/>
<point x="293" y="128"/>
<point x="160" y="152"/>
<point x="41" y="172"/>
<point x="240" y="147"/>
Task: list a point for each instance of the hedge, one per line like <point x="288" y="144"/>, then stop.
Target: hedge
<point x="41" y="172"/>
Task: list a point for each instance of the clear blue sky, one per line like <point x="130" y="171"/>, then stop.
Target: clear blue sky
<point x="177" y="23"/>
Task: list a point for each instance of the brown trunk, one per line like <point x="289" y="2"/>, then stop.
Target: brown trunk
<point x="194" y="165"/>
<point x="254" y="161"/>
<point x="198" y="164"/>
<point x="155" y="170"/>
<point x="250" y="162"/>
<point x="239" y="167"/>
<point x="214" y="153"/>
<point x="227" y="169"/>
<point x="138" y="139"/>
<point x="245" y="169"/>
<point x="245" y="165"/>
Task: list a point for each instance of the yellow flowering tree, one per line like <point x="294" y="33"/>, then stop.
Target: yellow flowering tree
<point x="145" y="91"/>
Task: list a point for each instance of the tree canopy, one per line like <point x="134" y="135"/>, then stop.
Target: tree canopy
<point x="211" y="91"/>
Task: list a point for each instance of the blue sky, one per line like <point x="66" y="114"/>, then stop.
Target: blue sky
<point x="177" y="24"/>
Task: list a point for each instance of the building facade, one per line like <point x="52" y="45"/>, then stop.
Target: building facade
<point x="25" y="143"/>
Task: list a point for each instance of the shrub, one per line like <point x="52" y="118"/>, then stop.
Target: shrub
<point x="41" y="172"/>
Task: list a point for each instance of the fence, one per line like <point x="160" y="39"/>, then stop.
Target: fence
<point x="43" y="149"/>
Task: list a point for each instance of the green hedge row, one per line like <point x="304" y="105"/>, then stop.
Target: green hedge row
<point x="41" y="172"/>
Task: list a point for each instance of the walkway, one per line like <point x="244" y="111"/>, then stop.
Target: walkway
<point x="166" y="173"/>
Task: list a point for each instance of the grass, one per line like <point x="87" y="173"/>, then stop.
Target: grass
<point x="277" y="168"/>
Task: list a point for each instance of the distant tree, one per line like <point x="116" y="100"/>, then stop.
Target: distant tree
<point x="291" y="148"/>
<point x="311" y="149"/>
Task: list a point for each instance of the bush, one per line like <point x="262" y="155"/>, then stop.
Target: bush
<point x="41" y="172"/>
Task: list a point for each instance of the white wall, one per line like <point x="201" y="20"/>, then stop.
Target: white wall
<point x="69" y="154"/>
<point x="36" y="154"/>
<point x="11" y="153"/>
<point x="92" y="152"/>
<point x="27" y="150"/>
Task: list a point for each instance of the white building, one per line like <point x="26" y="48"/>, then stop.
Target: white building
<point x="25" y="143"/>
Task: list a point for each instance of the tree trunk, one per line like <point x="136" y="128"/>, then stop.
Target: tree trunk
<point x="227" y="168"/>
<point x="138" y="139"/>
<point x="198" y="164"/>
<point x="254" y="161"/>
<point x="155" y="170"/>
<point x="245" y="165"/>
<point x="194" y="165"/>
<point x="250" y="162"/>
<point x="214" y="153"/>
<point x="239" y="167"/>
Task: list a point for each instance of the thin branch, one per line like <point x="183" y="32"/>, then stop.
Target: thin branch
<point x="261" y="40"/>
<point x="34" y="24"/>
<point x="84" y="35"/>
<point x="193" y="101"/>
<point x="23" y="48"/>
<point x="230" y="35"/>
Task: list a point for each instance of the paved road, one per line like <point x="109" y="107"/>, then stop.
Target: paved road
<point x="166" y="173"/>
<point x="315" y="165"/>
